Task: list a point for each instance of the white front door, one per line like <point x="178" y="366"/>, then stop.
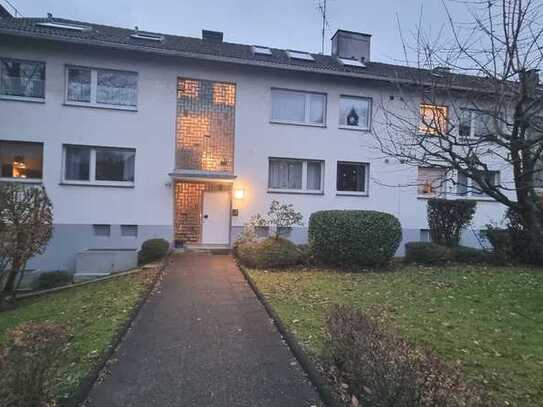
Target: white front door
<point x="216" y="218"/>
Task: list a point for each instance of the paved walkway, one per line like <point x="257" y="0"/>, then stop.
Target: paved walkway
<point x="203" y="340"/>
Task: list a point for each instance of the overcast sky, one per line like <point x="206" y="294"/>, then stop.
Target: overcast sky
<point x="293" y="24"/>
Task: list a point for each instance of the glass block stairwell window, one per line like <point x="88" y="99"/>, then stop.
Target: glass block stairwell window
<point x="205" y="125"/>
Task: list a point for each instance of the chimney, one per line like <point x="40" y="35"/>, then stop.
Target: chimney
<point x="208" y="35"/>
<point x="351" y="45"/>
<point x="4" y="13"/>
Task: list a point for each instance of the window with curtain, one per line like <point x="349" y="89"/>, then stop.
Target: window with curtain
<point x="99" y="165"/>
<point x="21" y="78"/>
<point x="354" y="112"/>
<point x="431" y="181"/>
<point x="101" y="87"/>
<point x="21" y="160"/>
<point x="475" y="124"/>
<point x="352" y="177"/>
<point x="295" y="175"/>
<point x="466" y="186"/>
<point x="298" y="107"/>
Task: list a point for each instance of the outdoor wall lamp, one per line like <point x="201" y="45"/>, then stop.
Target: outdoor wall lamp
<point x="239" y="193"/>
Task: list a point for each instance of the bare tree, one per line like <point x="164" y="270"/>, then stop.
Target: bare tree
<point x="475" y="107"/>
<point x="26" y="225"/>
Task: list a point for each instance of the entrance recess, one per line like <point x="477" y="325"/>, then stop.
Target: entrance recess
<point x="216" y="217"/>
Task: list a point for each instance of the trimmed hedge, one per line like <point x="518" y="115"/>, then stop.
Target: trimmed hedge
<point x="426" y="253"/>
<point x="268" y="253"/>
<point x="447" y="218"/>
<point x="152" y="250"/>
<point x="354" y="237"/>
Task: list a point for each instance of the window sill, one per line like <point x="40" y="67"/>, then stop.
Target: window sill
<point x="355" y="128"/>
<point x="22" y="99"/>
<point x="21" y="180"/>
<point x="293" y="191"/>
<point x="298" y="124"/>
<point x="107" y="107"/>
<point x="346" y="193"/>
<point x="99" y="184"/>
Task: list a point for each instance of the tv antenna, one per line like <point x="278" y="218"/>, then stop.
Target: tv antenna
<point x="16" y="12"/>
<point x="322" y="8"/>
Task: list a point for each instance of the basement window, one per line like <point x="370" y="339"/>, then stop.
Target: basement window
<point x="64" y="26"/>
<point x="129" y="230"/>
<point x="101" y="230"/>
<point x="304" y="56"/>
<point x="261" y="50"/>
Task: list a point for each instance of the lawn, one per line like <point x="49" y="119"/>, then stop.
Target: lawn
<point x="92" y="315"/>
<point x="488" y="318"/>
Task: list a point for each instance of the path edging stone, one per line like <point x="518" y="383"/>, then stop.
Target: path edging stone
<point x="307" y="364"/>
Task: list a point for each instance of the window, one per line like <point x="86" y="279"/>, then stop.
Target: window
<point x="433" y="119"/>
<point x="64" y="26"/>
<point x="147" y="36"/>
<point x="257" y="50"/>
<point x="21" y="160"/>
<point x="102" y="230"/>
<point x="431" y="181"/>
<point x="352" y="177"/>
<point x="304" y="56"/>
<point x="298" y="107"/>
<point x="287" y="174"/>
<point x="99" y="165"/>
<point x="23" y="79"/>
<point x="425" y="235"/>
<point x="475" y="124"/>
<point x="352" y="62"/>
<point x="129" y="230"/>
<point x="354" y="112"/>
<point x="101" y="87"/>
<point x="468" y="187"/>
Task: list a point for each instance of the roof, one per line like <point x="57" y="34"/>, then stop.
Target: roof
<point x="189" y="47"/>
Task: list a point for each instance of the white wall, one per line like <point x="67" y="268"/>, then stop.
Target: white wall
<point x="151" y="131"/>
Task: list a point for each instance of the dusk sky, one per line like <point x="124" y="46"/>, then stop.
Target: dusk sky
<point x="293" y="24"/>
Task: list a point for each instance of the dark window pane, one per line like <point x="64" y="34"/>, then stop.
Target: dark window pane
<point x="102" y="230"/>
<point x="351" y="177"/>
<point x="116" y="88"/>
<point x="79" y="84"/>
<point x="21" y="160"/>
<point x="77" y="163"/>
<point x="115" y="165"/>
<point x="21" y="78"/>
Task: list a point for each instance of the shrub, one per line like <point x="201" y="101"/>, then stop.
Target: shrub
<point x="268" y="253"/>
<point x="354" y="237"/>
<point x="469" y="255"/>
<point x="426" y="253"/>
<point x="382" y="369"/>
<point x="447" y="218"/>
<point x="29" y="364"/>
<point x="52" y="279"/>
<point x="152" y="250"/>
<point x="500" y="239"/>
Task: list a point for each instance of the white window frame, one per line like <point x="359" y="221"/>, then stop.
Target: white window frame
<point x="366" y="191"/>
<point x="470" y="194"/>
<point x="26" y="180"/>
<point x="92" y="168"/>
<point x="472" y="121"/>
<point x="303" y="189"/>
<point x="94" y="85"/>
<point x="307" y="95"/>
<point x="444" y="185"/>
<point x="26" y="98"/>
<point x="370" y="108"/>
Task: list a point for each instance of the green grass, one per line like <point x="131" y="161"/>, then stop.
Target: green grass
<point x="92" y="314"/>
<point x="488" y="318"/>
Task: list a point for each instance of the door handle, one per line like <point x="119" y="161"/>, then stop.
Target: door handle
<point x="206" y="216"/>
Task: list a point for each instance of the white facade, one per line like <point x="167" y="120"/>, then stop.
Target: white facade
<point x="151" y="131"/>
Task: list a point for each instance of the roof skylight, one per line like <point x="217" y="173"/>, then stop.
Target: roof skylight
<point x="146" y="36"/>
<point x="64" y="26"/>
<point x="300" y="55"/>
<point x="352" y="62"/>
<point x="261" y="50"/>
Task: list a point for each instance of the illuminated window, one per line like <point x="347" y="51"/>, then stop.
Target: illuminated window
<point x="188" y="88"/>
<point x="431" y="181"/>
<point x="433" y="119"/>
<point x="224" y="94"/>
<point x="25" y="79"/>
<point x="101" y="87"/>
<point x="21" y="160"/>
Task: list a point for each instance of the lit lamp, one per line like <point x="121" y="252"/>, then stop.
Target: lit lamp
<point x="239" y="193"/>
